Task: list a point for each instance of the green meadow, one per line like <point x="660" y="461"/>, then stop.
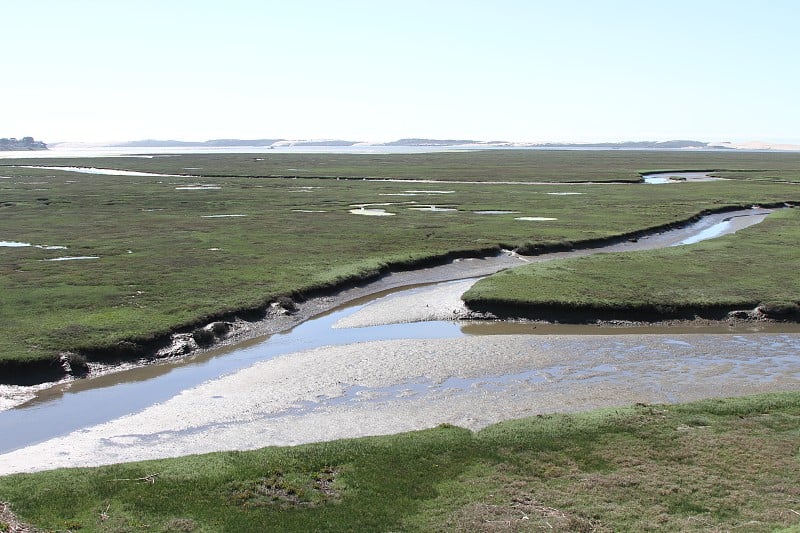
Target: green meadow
<point x="240" y="230"/>
<point x="714" y="465"/>
<point x="568" y="166"/>
<point x="243" y="230"/>
<point x="755" y="266"/>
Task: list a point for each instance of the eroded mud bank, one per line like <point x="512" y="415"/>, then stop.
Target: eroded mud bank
<point x="385" y="385"/>
<point x="249" y="324"/>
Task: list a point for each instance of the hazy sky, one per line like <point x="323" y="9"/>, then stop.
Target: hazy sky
<point x="559" y="70"/>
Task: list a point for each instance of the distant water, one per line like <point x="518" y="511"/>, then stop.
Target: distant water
<point x="99" y="150"/>
<point x="149" y="151"/>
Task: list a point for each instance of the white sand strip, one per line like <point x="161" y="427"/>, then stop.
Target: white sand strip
<point x="392" y="386"/>
<point x="441" y="302"/>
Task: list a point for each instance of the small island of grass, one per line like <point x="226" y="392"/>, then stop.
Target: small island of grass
<point x="756" y="267"/>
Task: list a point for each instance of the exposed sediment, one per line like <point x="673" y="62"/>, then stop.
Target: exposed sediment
<point x="392" y="386"/>
<point x="252" y="323"/>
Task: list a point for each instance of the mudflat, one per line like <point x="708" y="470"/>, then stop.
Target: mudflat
<point x="392" y="386"/>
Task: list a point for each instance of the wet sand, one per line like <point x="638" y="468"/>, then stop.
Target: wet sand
<point x="440" y="302"/>
<point x="392" y="386"/>
<point x="245" y="331"/>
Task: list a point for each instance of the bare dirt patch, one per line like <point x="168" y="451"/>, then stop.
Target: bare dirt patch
<point x="9" y="523"/>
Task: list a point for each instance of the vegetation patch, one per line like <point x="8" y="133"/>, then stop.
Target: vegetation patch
<point x="287" y="490"/>
<point x="162" y="269"/>
<point x="714" y="465"/>
<point x="753" y="268"/>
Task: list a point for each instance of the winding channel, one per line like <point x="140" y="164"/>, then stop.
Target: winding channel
<point x="391" y="359"/>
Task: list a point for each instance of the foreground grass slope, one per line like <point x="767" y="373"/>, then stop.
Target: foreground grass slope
<point x="757" y="265"/>
<point x="176" y="251"/>
<point x="712" y="465"/>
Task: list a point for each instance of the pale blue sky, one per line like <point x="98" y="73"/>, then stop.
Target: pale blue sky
<point x="86" y="70"/>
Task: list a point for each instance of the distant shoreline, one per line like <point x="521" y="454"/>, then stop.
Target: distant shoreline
<point x="84" y="150"/>
<point x="26" y="144"/>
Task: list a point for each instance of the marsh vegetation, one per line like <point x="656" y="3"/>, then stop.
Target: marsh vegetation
<point x="212" y="238"/>
<point x="167" y="261"/>
<point x="711" y="465"/>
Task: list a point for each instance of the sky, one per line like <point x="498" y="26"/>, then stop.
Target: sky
<point x="381" y="70"/>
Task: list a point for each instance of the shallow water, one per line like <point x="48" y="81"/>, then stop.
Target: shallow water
<point x="72" y="258"/>
<point x="371" y="212"/>
<point x="52" y="411"/>
<point x="661" y="178"/>
<point x="434" y="208"/>
<point x="17" y="244"/>
<point x="727" y="226"/>
<point x="104" y="171"/>
<point x="108" y="397"/>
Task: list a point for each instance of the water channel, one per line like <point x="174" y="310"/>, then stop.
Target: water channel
<point x="319" y="373"/>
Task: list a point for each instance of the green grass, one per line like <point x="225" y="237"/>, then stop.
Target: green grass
<point x="712" y="465"/>
<point x="163" y="266"/>
<point x="486" y="165"/>
<point x="753" y="266"/>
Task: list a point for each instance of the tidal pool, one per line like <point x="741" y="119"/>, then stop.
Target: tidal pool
<point x="16" y="244"/>
<point x="72" y="258"/>
<point x="371" y="212"/>
<point x="103" y="171"/>
<point x="433" y="208"/>
<point x="198" y="187"/>
<point x="660" y="178"/>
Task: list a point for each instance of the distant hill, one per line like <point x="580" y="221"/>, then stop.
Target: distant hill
<point x="26" y="143"/>
<point x="431" y="142"/>
<point x="283" y="143"/>
<point x="631" y="145"/>
<point x="151" y="143"/>
<point x="318" y="142"/>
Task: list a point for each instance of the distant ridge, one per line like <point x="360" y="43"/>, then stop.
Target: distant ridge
<point x="633" y="145"/>
<point x="627" y="145"/>
<point x="678" y="144"/>
<point x="26" y="143"/>
<point x="151" y="143"/>
<point x="436" y="142"/>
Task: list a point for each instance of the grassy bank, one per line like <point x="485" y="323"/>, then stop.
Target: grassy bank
<point x="711" y="465"/>
<point x="173" y="252"/>
<point x="755" y="266"/>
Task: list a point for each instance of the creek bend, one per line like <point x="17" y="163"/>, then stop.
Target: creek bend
<point x="318" y="382"/>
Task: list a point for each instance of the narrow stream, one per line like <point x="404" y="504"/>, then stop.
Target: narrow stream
<point x="83" y="403"/>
